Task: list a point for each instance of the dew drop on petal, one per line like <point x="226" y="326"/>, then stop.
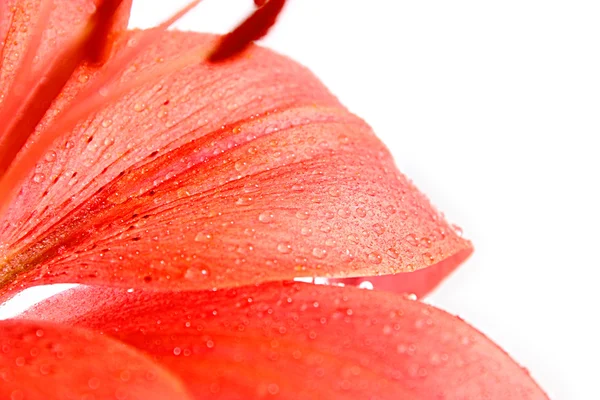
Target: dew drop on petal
<point x="302" y="215"/>
<point x="319" y="253"/>
<point x="334" y="192"/>
<point x="343" y="213"/>
<point x="458" y="230"/>
<point x="411" y="239"/>
<point x="50" y="156"/>
<point x="203" y="237"/>
<point x="379" y="229"/>
<point x="266" y="217"/>
<point x="273" y="389"/>
<point x="374" y="258"/>
<point x="365" y="285"/>
<point x="94" y="383"/>
<point x="38" y="178"/>
<point x="284" y="248"/>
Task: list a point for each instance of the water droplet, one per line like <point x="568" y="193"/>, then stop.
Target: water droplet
<point x="94" y="383"/>
<point x="162" y="113"/>
<point x="108" y="141"/>
<point x="319" y="253"/>
<point x="193" y="274"/>
<point x="374" y="258"/>
<point x="37" y="178"/>
<point x="394" y="253"/>
<point x="39" y="333"/>
<point x="343" y="213"/>
<point x="439" y="233"/>
<point x="325" y="228"/>
<point x="343" y="139"/>
<point x="266" y="217"/>
<point x="138" y="107"/>
<point x="106" y="123"/>
<point x="403" y="215"/>
<point x="302" y="215"/>
<point x="50" y="156"/>
<point x="306" y="231"/>
<point x="284" y="248"/>
<point x="203" y="237"/>
<point x="244" y="200"/>
<point x="334" y="192"/>
<point x="378" y="229"/>
<point x="177" y="351"/>
<point x="361" y="212"/>
<point x="428" y="258"/>
<point x="330" y="242"/>
<point x="83" y="78"/>
<point x="365" y="285"/>
<point x="239" y="165"/>
<point x="273" y="389"/>
<point x="411" y="239"/>
<point x="458" y="230"/>
<point x="425" y="242"/>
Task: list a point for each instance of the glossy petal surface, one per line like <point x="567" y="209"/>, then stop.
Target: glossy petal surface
<point x="217" y="176"/>
<point x="301" y="341"/>
<point x="43" y="361"/>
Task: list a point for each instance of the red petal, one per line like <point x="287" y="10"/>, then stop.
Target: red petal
<point x="32" y="93"/>
<point x="419" y="283"/>
<point x="218" y="176"/>
<point x="39" y="360"/>
<point x="301" y="341"/>
<point x="18" y="19"/>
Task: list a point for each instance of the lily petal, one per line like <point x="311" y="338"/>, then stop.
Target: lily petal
<point x="43" y="361"/>
<point x="217" y="176"/>
<point x="300" y="341"/>
<point x="18" y="27"/>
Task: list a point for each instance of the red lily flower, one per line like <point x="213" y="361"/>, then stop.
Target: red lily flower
<point x="151" y="160"/>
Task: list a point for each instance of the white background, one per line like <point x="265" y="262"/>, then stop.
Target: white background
<point x="493" y="109"/>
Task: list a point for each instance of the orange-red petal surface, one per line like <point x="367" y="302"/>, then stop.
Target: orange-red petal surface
<point x="44" y="361"/>
<point x="18" y="23"/>
<point x="301" y="341"/>
<point x="217" y="176"/>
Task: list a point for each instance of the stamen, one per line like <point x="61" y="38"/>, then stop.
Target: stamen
<point x="99" y="46"/>
<point x="253" y="28"/>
